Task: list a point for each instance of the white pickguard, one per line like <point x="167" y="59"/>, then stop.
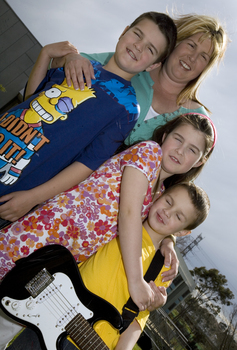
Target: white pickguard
<point x="51" y="310"/>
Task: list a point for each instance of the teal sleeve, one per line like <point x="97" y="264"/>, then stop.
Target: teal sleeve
<point x="103" y="57"/>
<point x="143" y="129"/>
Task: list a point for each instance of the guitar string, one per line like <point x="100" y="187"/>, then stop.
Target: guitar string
<point x="61" y="307"/>
<point x="83" y="341"/>
<point x="82" y="335"/>
<point x="86" y="338"/>
<point x="59" y="304"/>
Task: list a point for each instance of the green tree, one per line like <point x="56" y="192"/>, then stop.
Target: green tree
<point x="211" y="289"/>
<point x="211" y="292"/>
<point x="228" y="340"/>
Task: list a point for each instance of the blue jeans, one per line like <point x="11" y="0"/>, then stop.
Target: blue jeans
<point x="28" y="340"/>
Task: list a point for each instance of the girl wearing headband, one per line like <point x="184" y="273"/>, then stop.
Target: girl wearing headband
<point x="121" y="190"/>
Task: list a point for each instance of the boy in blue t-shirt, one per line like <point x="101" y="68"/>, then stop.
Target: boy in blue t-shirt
<point x="59" y="135"/>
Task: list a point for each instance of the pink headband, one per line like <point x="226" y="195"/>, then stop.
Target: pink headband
<point x="212" y="124"/>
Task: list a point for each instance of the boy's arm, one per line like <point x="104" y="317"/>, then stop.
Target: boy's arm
<point x="130" y="336"/>
<point x="40" y="68"/>
<point x="134" y="186"/>
<point x="167" y="250"/>
<point x="20" y="203"/>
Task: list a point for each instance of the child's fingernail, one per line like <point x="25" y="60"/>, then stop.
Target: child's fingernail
<point x="167" y="266"/>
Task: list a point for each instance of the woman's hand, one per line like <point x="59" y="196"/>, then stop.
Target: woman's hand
<point x="167" y="250"/>
<point x="59" y="49"/>
<point x="78" y="70"/>
<point x="55" y="51"/>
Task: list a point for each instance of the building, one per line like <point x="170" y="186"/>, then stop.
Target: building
<point x="181" y="287"/>
<point x="18" y="52"/>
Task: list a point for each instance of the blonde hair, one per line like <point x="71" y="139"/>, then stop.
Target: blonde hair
<point x="191" y="24"/>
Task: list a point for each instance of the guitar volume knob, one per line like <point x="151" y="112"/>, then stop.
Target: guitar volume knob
<point x="30" y="304"/>
<point x="15" y="305"/>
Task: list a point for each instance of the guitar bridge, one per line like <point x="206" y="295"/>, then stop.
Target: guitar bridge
<point x="39" y="283"/>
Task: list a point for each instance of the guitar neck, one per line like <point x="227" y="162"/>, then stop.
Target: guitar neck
<point x="83" y="335"/>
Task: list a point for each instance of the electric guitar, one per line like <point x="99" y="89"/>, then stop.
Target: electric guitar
<point x="45" y="292"/>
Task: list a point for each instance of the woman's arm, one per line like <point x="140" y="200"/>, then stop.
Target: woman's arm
<point x="134" y="186"/>
<point x="76" y="68"/>
<point x="20" y="203"/>
<point x="40" y="68"/>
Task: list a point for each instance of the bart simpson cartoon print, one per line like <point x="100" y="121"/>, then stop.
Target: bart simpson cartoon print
<point x="21" y="132"/>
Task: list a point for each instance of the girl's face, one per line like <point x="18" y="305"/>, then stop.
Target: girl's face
<point x="182" y="150"/>
<point x="189" y="59"/>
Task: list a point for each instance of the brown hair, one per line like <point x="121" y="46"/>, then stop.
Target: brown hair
<point x="166" y="26"/>
<point x="200" y="201"/>
<point x="199" y="123"/>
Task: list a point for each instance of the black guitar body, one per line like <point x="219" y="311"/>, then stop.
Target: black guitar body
<point x="55" y="259"/>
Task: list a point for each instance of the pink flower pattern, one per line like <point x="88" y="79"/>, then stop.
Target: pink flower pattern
<point x="85" y="217"/>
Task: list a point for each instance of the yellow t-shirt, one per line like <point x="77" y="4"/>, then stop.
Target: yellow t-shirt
<point x="104" y="274"/>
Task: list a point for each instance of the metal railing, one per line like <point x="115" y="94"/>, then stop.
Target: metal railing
<point x="164" y="334"/>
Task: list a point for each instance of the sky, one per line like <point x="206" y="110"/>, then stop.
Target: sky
<point x="95" y="26"/>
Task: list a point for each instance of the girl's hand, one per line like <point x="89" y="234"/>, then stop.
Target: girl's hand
<point x="167" y="250"/>
<point x="160" y="297"/>
<point x="76" y="69"/>
<point x="142" y="294"/>
<point x="17" y="205"/>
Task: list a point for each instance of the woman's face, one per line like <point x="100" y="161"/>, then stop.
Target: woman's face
<point x="189" y="59"/>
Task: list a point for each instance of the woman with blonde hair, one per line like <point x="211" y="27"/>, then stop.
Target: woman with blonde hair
<point x="189" y="25"/>
<point x="171" y="89"/>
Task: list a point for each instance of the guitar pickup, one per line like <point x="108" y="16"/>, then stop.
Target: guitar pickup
<point x="41" y="281"/>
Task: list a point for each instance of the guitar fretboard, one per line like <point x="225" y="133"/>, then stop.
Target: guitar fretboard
<point x="83" y="335"/>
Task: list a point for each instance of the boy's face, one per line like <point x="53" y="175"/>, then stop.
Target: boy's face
<point x="139" y="47"/>
<point x="172" y="212"/>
